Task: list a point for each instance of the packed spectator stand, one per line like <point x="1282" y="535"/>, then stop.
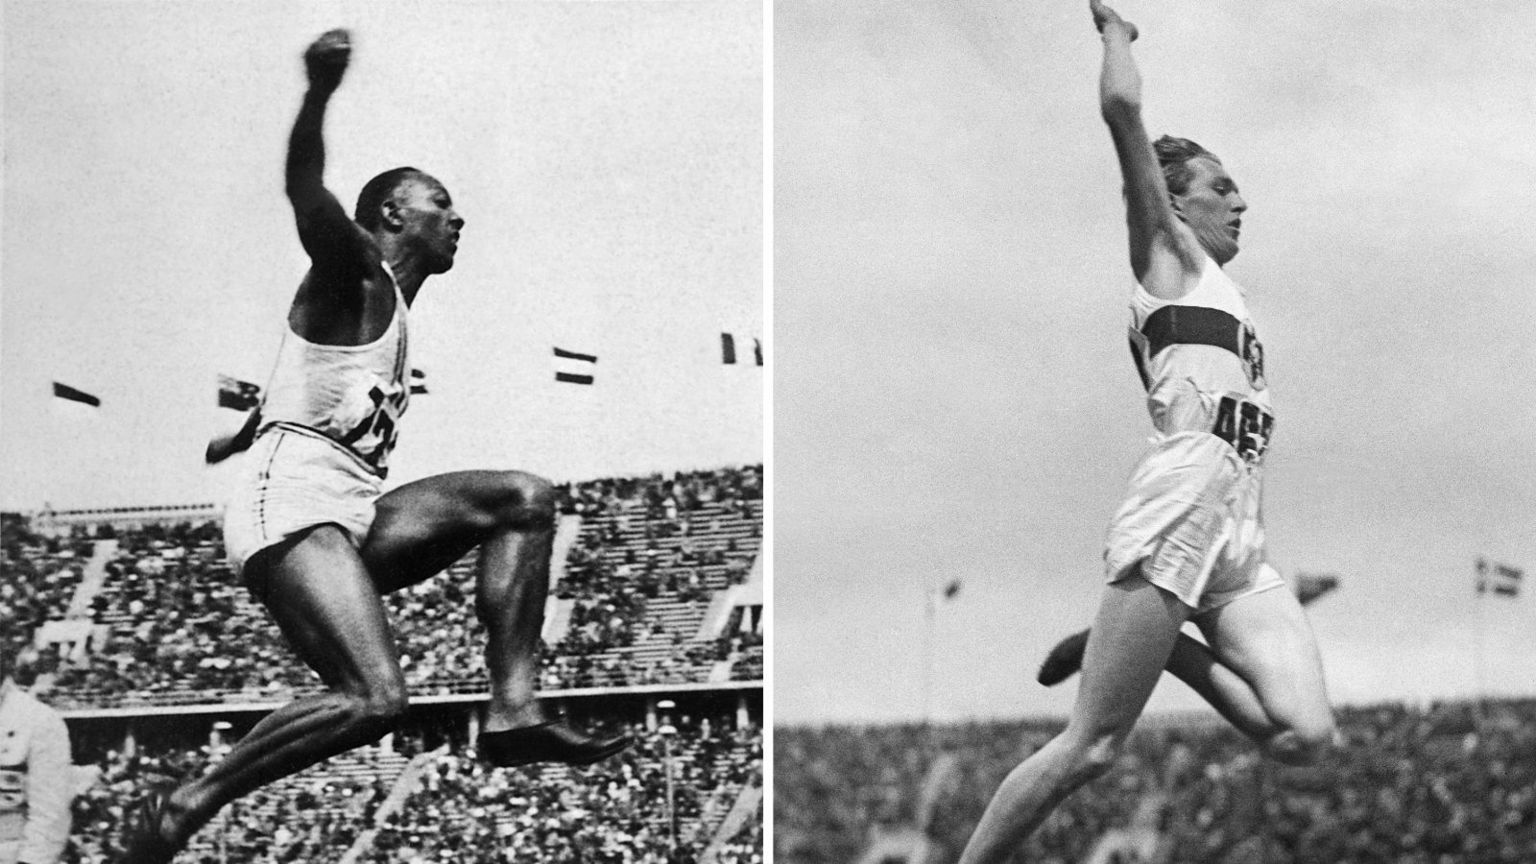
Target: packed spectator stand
<point x="1440" y="784"/>
<point x="152" y="635"/>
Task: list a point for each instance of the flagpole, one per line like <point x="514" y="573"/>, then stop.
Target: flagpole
<point x="1482" y="591"/>
<point x="928" y="610"/>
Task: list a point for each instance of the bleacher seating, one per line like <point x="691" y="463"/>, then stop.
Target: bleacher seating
<point x="637" y="583"/>
<point x="1409" y="785"/>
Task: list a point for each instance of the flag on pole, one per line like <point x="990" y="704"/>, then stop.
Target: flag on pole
<point x="1501" y="579"/>
<point x="1310" y="586"/>
<point x="237" y="394"/>
<point x="418" y="382"/>
<point x="68" y="393"/>
<point x="728" y="349"/>
<point x="572" y="367"/>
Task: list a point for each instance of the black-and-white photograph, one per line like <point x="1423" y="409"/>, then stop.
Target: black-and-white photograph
<point x="1305" y="491"/>
<point x="382" y="446"/>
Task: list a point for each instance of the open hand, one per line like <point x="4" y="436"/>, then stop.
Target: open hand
<point x="1104" y="17"/>
<point x="326" y="59"/>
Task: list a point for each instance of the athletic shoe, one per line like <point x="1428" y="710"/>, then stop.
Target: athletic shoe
<point x="550" y="741"/>
<point x="145" y="843"/>
<point x="1065" y="659"/>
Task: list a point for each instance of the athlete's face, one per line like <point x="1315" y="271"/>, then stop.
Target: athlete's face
<point x="429" y="217"/>
<point x="1212" y="208"/>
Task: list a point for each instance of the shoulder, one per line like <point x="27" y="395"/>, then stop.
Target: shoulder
<point x="1175" y="273"/>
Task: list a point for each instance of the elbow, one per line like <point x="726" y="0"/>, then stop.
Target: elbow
<point x="1119" y="107"/>
<point x="303" y="190"/>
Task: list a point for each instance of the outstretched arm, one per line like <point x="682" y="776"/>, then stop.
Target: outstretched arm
<point x="1164" y="251"/>
<point x="334" y="242"/>
<point x="224" y="446"/>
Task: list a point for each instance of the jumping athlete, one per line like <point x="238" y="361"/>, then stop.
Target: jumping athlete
<point x="310" y="532"/>
<point x="1187" y="544"/>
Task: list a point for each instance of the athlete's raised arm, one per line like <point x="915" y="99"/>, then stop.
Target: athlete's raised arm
<point x="1164" y="253"/>
<point x="334" y="242"/>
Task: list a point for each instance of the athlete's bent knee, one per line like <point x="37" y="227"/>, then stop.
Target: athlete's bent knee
<point x="376" y="713"/>
<point x="531" y="501"/>
<point x="1304" y="744"/>
<point x="1094" y="754"/>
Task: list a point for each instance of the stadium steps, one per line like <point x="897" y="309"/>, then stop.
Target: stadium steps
<point x="92" y="579"/>
<point x="404" y="785"/>
<point x="747" y="804"/>
<point x="356" y="770"/>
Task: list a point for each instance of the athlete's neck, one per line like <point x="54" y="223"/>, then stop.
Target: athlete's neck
<point x="410" y="271"/>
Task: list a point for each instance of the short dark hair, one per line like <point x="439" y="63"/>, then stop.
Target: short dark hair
<point x="1174" y="155"/>
<point x="377" y="191"/>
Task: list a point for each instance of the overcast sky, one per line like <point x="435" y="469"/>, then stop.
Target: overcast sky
<point x="953" y="393"/>
<point x="608" y="159"/>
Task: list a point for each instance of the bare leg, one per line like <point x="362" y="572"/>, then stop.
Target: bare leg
<point x="423" y="527"/>
<point x="1134" y="633"/>
<point x="1264" y="640"/>
<point x="1191" y="662"/>
<point x="1228" y="692"/>
<point x="326" y="605"/>
<point x="509" y="598"/>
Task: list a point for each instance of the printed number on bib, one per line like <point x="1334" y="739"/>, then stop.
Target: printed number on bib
<point x="1244" y="425"/>
<point x="378" y="426"/>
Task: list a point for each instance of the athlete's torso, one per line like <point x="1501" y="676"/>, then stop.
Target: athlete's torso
<point x="1202" y="364"/>
<point x="354" y="395"/>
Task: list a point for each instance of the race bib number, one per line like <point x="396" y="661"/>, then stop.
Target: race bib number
<point x="1244" y="425"/>
<point x="375" y="436"/>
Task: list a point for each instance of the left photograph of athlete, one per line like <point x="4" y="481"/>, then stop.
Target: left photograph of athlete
<point x="309" y="530"/>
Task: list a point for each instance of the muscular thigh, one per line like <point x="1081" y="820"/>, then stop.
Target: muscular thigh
<point x="1265" y="638"/>
<point x="1133" y="633"/>
<point x="325" y="602"/>
<point x="423" y="527"/>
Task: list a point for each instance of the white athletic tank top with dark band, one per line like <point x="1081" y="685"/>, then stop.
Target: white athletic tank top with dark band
<point x="1202" y="364"/>
<point x="352" y="395"/>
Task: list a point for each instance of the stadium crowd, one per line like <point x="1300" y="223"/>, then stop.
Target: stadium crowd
<point x="38" y="578"/>
<point x="1435" y="785"/>
<point x="312" y="817"/>
<point x="453" y="808"/>
<point x="613" y="812"/>
<point x="636" y="583"/>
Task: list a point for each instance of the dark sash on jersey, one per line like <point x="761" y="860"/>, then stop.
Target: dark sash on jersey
<point x="1186" y="325"/>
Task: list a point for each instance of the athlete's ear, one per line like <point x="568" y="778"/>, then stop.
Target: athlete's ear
<point x="392" y="218"/>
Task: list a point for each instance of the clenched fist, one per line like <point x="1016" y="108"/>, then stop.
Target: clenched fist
<point x="326" y="59"/>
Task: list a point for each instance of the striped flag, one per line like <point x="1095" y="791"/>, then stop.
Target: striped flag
<point x="237" y="394"/>
<point x="68" y="393"/>
<point x="572" y="367"/>
<point x="728" y="349"/>
<point x="1310" y="586"/>
<point x="418" y="382"/>
<point x="1501" y="579"/>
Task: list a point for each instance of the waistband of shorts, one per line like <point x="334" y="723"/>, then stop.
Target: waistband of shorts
<point x="311" y="432"/>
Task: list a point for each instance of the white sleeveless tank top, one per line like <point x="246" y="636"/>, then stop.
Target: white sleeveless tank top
<point x="353" y="395"/>
<point x="1202" y="364"/>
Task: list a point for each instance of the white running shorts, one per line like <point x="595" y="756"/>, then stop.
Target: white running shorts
<point x="291" y="480"/>
<point x="1191" y="519"/>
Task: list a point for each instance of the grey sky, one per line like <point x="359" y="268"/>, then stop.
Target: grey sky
<point x="953" y="394"/>
<point x="608" y="159"/>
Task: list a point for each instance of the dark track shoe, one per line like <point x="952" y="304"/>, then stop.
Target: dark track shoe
<point x="144" y="841"/>
<point x="1064" y="660"/>
<point x="551" y="741"/>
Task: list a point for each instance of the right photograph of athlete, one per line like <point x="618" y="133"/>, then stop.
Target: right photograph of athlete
<point x="1187" y="541"/>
